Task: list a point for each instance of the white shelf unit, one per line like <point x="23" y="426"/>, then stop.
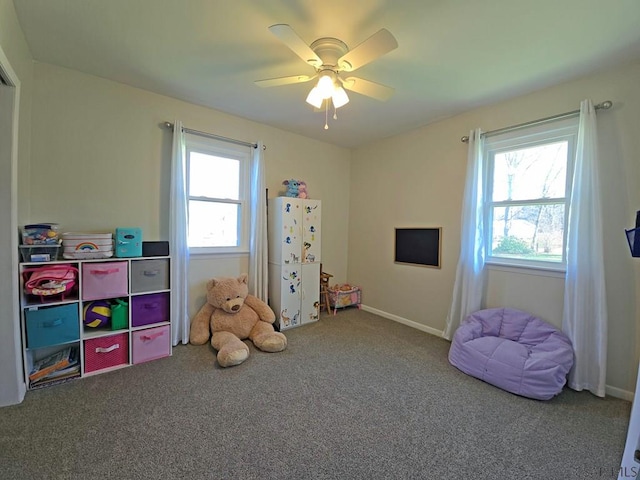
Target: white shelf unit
<point x="49" y="324"/>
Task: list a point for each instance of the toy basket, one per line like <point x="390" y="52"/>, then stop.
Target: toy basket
<point x="87" y="245"/>
<point x="40" y="234"/>
<point x="345" y="295"/>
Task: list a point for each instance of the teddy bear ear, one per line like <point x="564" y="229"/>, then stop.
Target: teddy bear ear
<point x="211" y="283"/>
<point x="244" y="278"/>
<point x="286" y="182"/>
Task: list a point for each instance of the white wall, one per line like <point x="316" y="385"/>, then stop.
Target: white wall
<point x="17" y="51"/>
<point x="422" y="176"/>
<point x="100" y="159"/>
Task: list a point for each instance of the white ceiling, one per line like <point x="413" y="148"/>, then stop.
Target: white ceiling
<point x="453" y="55"/>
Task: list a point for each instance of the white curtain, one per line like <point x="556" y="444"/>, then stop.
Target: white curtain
<point x="178" y="240"/>
<point x="469" y="285"/>
<point x="585" y="309"/>
<point x="258" y="274"/>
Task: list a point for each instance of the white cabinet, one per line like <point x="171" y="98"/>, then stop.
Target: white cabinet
<point x="294" y="260"/>
<point x="109" y="314"/>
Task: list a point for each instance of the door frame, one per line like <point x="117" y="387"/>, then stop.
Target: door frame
<point x="12" y="376"/>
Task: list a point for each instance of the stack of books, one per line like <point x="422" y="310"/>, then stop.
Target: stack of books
<point x="58" y="366"/>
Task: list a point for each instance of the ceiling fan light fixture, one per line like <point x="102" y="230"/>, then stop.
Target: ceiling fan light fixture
<point x="330" y="57"/>
<point x="339" y="97"/>
<point x="326" y="86"/>
<point x="315" y="97"/>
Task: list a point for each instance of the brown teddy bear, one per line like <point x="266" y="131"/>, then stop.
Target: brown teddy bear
<point x="232" y="315"/>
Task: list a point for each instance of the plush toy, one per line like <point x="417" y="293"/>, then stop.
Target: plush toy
<point x="292" y="188"/>
<point x="302" y="189"/>
<point x="232" y="315"/>
<point x="295" y="188"/>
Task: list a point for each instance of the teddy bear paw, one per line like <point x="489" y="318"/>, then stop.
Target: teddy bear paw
<point x="275" y="342"/>
<point x="232" y="358"/>
<point x="201" y="338"/>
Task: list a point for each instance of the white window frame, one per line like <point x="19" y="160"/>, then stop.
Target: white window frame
<point x="218" y="148"/>
<point x="526" y="137"/>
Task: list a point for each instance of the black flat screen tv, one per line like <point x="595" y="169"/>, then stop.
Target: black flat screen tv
<point x="418" y="246"/>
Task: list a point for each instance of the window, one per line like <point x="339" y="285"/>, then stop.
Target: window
<point x="218" y="195"/>
<point x="529" y="175"/>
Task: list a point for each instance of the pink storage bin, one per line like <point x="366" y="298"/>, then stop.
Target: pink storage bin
<point x="106" y="352"/>
<point x="148" y="309"/>
<point x="104" y="280"/>
<point x="150" y="344"/>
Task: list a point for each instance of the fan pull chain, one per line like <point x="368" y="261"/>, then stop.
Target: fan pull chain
<point x="335" y="113"/>
<point x="326" y="115"/>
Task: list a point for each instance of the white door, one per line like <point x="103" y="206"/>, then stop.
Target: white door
<point x="290" y="295"/>
<point x="310" y="307"/>
<point x="285" y="230"/>
<point x="630" y="468"/>
<point x="311" y="235"/>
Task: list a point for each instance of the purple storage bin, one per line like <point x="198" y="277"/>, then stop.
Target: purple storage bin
<point x="148" y="309"/>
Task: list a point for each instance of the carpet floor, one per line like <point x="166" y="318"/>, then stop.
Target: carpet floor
<point x="354" y="396"/>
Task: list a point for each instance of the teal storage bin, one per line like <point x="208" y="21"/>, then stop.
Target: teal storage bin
<point x="48" y="326"/>
<point x="128" y="242"/>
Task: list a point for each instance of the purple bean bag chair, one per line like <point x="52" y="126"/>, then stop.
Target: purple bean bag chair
<point x="513" y="350"/>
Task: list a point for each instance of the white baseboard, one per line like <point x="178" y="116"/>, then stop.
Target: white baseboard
<point x="619" y="393"/>
<point x="609" y="390"/>
<point x="404" y="321"/>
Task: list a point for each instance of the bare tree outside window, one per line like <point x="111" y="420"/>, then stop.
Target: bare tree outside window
<point x="528" y="201"/>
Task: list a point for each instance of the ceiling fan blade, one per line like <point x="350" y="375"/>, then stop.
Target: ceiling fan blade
<point x="373" y="47"/>
<point x="276" y="82"/>
<point x="292" y="40"/>
<point x="370" y="89"/>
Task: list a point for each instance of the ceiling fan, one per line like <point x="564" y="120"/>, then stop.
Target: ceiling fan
<point x="331" y="58"/>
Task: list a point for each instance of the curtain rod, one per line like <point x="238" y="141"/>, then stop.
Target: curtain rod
<point x="601" y="106"/>
<point x="215" y="137"/>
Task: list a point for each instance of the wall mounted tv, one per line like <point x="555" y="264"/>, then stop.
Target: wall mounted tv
<point x="418" y="246"/>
